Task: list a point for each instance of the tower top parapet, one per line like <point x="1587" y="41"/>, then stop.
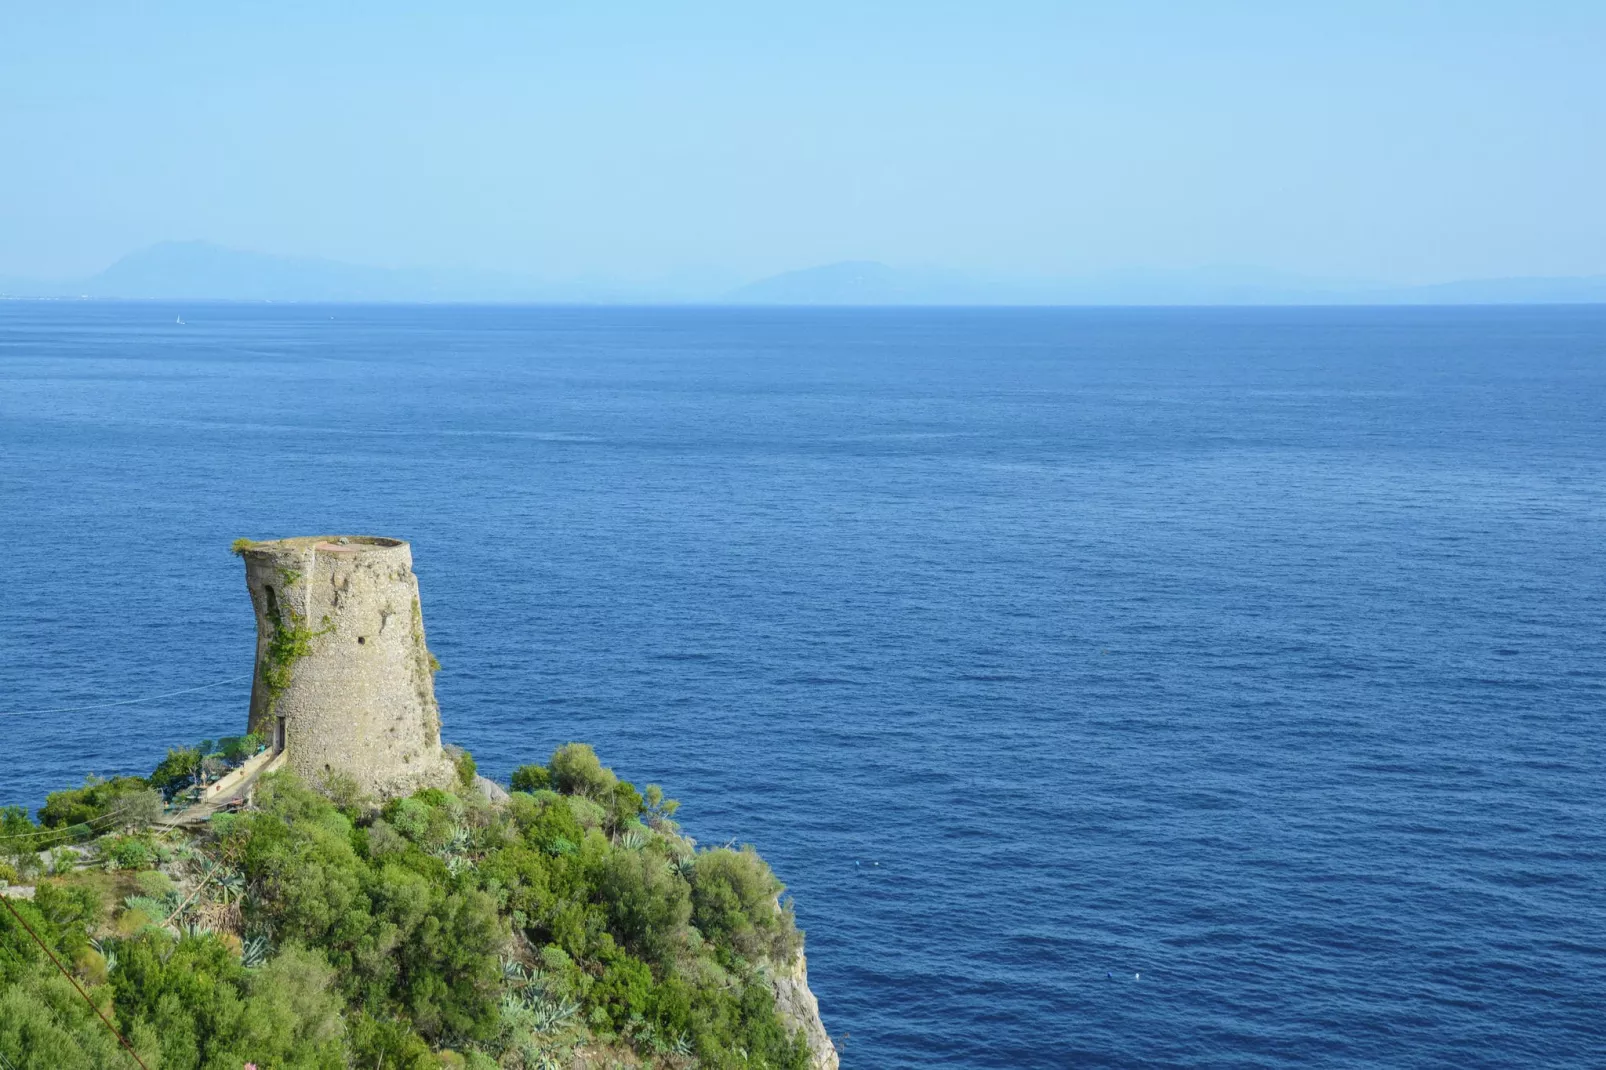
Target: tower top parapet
<point x="330" y="544"/>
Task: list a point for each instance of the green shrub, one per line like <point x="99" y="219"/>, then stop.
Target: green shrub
<point x="657" y="808"/>
<point x="576" y="770"/>
<point x="138" y="809"/>
<point x="45" y="1023"/>
<point x="382" y="839"/>
<point x="466" y="769"/>
<point x="624" y="989"/>
<point x="344" y="792"/>
<point x="177" y="771"/>
<point x="531" y="778"/>
<point x="624" y="807"/>
<point x="20" y="841"/>
<point x="293" y="1012"/>
<point x="208" y="1010"/>
<point x="394" y="925"/>
<point x="648" y="904"/>
<point x="237" y="749"/>
<point x="428" y="819"/>
<point x="588" y="814"/>
<point x="69" y="907"/>
<point x="735" y="904"/>
<point x="388" y="1042"/>
<point x="97" y="799"/>
<point x="127" y="852"/>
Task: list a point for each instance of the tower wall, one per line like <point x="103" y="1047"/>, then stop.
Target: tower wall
<point x="344" y="679"/>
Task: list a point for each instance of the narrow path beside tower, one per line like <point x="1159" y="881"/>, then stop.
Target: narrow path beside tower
<point x="202" y="811"/>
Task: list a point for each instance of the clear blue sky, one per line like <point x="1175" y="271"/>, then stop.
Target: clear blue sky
<point x="1399" y="141"/>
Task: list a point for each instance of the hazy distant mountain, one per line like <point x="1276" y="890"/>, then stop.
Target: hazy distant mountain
<point x="872" y="283"/>
<point x="1579" y="290"/>
<point x="862" y="282"/>
<point x="198" y="270"/>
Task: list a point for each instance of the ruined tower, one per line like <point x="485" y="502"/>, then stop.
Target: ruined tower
<point x="344" y="681"/>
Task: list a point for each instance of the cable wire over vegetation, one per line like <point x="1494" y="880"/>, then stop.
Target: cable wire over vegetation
<point x="127" y="701"/>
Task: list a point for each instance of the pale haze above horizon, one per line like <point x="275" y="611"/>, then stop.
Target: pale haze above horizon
<point x="710" y="144"/>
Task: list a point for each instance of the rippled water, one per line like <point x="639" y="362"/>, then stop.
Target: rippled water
<point x="1208" y="688"/>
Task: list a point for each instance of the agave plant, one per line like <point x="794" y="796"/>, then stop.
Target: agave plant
<point x="156" y="908"/>
<point x="530" y="1006"/>
<point x="538" y="1057"/>
<point x="255" y="951"/>
<point x="686" y="866"/>
<point x="634" y="840"/>
<point x="552" y="1015"/>
<point x="457" y="843"/>
<point x="107" y="948"/>
<point x="189" y="927"/>
<point x="518" y="976"/>
<point x="230" y="886"/>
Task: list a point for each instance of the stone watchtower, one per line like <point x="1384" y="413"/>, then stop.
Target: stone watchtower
<point x="344" y="682"/>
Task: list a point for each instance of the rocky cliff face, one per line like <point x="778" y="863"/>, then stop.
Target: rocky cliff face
<point x="800" y="1010"/>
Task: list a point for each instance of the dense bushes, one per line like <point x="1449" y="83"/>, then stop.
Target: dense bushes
<point x="207" y="1010"/>
<point x="177" y="771"/>
<point x="575" y="770"/>
<point x="435" y="930"/>
<point x="45" y="1024"/>
<point x="531" y="778"/>
<point x="121" y="801"/>
<point x="733" y="896"/>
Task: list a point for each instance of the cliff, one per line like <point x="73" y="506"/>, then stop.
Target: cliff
<point x="795" y="1003"/>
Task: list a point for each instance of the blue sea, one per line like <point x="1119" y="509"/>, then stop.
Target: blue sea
<point x="1205" y="688"/>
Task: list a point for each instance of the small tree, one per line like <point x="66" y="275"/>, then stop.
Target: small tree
<point x="575" y="770"/>
<point x="177" y="771"/>
<point x="141" y="809"/>
<point x="531" y="778"/>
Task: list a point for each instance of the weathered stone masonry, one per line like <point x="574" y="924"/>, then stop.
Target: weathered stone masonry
<point x="344" y="680"/>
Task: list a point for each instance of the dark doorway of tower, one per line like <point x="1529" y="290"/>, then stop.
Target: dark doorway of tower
<point x="278" y="734"/>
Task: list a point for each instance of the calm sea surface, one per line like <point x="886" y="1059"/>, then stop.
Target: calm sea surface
<point x="1111" y="688"/>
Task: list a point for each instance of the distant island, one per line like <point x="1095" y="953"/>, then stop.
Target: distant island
<point x="335" y="888"/>
<point x="202" y="271"/>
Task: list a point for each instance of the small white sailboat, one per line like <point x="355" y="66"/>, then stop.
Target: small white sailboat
<point x="181" y="321"/>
